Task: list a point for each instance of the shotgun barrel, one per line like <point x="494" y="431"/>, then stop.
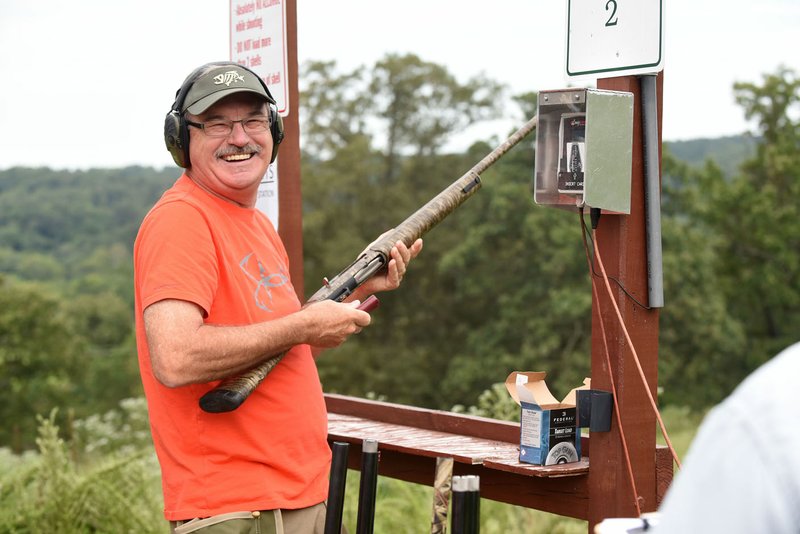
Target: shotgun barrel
<point x="459" y="514"/>
<point x="336" y="488"/>
<point x="368" y="487"/>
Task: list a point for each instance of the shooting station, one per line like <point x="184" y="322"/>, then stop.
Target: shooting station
<point x="598" y="150"/>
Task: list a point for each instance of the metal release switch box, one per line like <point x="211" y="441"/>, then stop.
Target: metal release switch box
<point x="584" y="141"/>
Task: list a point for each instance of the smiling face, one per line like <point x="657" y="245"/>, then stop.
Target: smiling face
<point x="230" y="167"/>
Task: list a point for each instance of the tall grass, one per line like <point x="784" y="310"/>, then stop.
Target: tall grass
<point x="54" y="491"/>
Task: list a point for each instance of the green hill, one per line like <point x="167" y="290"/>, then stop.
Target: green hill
<point x="728" y="152"/>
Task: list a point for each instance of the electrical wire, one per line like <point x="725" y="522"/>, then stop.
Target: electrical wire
<point x="611" y="378"/>
<point x="633" y="351"/>
<point x="591" y="265"/>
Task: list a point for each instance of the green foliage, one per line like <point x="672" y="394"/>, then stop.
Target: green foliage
<point x="682" y="423"/>
<point x="66" y="295"/>
<point x="70" y="214"/>
<point x="77" y="354"/>
<point x="34" y="266"/>
<point x="125" y="429"/>
<point x="700" y="357"/>
<point x="764" y="234"/>
<point x="39" y="360"/>
<point x="50" y="492"/>
<point x="423" y="104"/>
<point x="495" y="403"/>
<point x="732" y="257"/>
<point x="333" y="105"/>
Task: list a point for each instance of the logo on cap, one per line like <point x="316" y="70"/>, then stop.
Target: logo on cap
<point x="228" y="78"/>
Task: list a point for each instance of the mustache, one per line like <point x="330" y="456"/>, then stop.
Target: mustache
<point x="231" y="150"/>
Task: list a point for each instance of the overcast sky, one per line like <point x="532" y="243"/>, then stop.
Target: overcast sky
<point x="87" y="83"/>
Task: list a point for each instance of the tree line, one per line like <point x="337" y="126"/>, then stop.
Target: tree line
<point x="501" y="285"/>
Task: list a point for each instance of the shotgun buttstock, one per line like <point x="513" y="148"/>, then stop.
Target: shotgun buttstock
<point x="232" y="392"/>
<point x="220" y="400"/>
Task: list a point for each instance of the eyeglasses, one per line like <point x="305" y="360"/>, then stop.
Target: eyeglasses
<point x="223" y="128"/>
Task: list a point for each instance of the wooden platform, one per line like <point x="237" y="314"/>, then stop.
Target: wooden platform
<point x="410" y="439"/>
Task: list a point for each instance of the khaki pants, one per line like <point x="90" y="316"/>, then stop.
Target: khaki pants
<point x="309" y="520"/>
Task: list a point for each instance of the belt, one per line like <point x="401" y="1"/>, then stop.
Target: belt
<point x="192" y="525"/>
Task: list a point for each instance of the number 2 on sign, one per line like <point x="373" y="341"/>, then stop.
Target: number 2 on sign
<point x="612" y="19"/>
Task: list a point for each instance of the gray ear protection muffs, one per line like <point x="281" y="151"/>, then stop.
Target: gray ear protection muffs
<point x="176" y="131"/>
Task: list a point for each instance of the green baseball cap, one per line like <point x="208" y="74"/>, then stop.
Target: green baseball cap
<point x="219" y="82"/>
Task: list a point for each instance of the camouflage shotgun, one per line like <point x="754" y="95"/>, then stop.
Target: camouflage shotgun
<point x="232" y="392"/>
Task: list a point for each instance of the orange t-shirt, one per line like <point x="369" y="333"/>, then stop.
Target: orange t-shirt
<point x="271" y="452"/>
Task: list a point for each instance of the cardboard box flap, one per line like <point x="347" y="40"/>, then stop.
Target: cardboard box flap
<point x="530" y="387"/>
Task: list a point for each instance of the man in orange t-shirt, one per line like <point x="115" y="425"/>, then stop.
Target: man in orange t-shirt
<point x="213" y="300"/>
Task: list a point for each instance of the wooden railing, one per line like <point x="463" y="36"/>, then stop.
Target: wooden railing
<point x="410" y="439"/>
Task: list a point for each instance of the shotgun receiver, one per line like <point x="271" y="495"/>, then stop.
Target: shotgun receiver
<point x="232" y="392"/>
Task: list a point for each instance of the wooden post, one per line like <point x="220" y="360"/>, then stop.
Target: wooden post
<point x="621" y="239"/>
<point x="290" y="199"/>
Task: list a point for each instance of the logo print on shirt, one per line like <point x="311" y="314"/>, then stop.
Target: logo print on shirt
<point x="264" y="282"/>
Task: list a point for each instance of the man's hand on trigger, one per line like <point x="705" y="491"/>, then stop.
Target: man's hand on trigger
<point x="330" y="323"/>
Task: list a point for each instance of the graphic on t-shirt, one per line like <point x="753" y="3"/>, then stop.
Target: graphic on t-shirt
<point x="264" y="281"/>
